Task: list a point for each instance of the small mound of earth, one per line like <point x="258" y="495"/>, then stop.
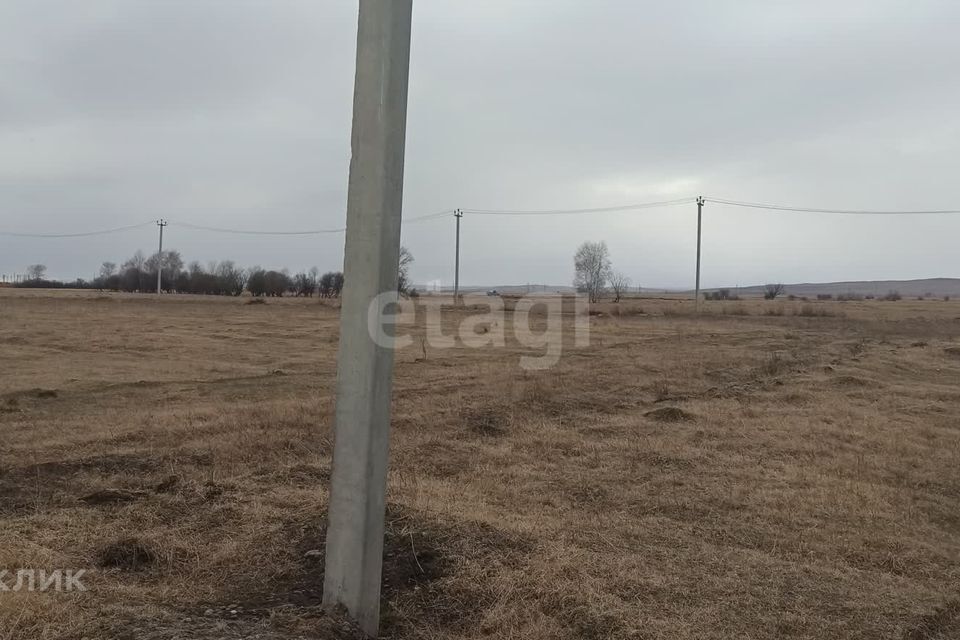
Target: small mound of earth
<point x="129" y="554"/>
<point x="670" y="414"/>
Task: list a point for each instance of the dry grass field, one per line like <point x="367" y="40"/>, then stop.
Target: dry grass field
<point x="766" y="470"/>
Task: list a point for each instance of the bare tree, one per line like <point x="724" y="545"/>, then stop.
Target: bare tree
<point x="619" y="284"/>
<point x="592" y="266"/>
<point x="232" y="279"/>
<point x="107" y="269"/>
<point x="403" y="272"/>
<point x="771" y="291"/>
<point x="36" y="271"/>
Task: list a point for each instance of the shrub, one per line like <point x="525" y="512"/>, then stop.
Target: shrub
<point x="849" y="297"/>
<point x="824" y="296"/>
<point x="893" y="296"/>
<point x="813" y="311"/>
<point x="735" y="310"/>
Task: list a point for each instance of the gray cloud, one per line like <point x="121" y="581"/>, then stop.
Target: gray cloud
<point x="238" y="114"/>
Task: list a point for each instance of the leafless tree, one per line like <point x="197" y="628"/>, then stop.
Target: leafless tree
<point x="619" y="284"/>
<point x="403" y="273"/>
<point x="771" y="291"/>
<point x="36" y="271"/>
<point x="592" y="266"/>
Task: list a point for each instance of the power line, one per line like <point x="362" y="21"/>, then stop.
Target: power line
<point x="76" y="235"/>
<point x="431" y="216"/>
<point x="187" y="225"/>
<point x="199" y="227"/>
<point x="546" y="212"/>
<point x="858" y="212"/>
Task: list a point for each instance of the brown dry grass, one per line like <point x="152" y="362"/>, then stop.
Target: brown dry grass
<point x="737" y="475"/>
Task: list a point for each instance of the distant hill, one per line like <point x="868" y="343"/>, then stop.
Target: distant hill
<point x="932" y="286"/>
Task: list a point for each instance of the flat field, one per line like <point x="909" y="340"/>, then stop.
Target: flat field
<point x="765" y="470"/>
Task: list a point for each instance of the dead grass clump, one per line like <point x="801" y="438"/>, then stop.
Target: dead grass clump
<point x="775" y="365"/>
<point x="813" y="311"/>
<point x="256" y="301"/>
<point x="167" y="485"/>
<point x="44" y="393"/>
<point x="670" y="414"/>
<point x="735" y="310"/>
<point x="952" y="351"/>
<point x="129" y="554"/>
<point x="774" y="311"/>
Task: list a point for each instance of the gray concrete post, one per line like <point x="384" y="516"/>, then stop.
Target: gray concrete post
<point x="355" y="527"/>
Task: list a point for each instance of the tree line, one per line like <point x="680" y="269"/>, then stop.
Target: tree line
<point x="138" y="274"/>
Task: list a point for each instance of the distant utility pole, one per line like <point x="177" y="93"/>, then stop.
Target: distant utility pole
<point x="160" y="223"/>
<point x="355" y="517"/>
<point x="699" y="229"/>
<point x="456" y="274"/>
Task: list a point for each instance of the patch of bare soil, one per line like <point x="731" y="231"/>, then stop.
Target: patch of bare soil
<point x="110" y="496"/>
<point x="58" y="482"/>
<point x="423" y="584"/>
<point x="129" y="554"/>
<point x="486" y="421"/>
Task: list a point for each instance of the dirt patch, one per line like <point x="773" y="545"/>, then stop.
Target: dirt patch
<point x="54" y="483"/>
<point x="110" y="496"/>
<point x="128" y="554"/>
<point x="429" y="573"/>
<point x="670" y="414"/>
<point x="485" y="422"/>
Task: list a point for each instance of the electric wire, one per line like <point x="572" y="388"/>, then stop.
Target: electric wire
<point x="546" y="212"/>
<point x="858" y="212"/>
<point x="82" y="234"/>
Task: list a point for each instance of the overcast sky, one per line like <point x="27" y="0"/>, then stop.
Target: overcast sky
<point x="236" y="113"/>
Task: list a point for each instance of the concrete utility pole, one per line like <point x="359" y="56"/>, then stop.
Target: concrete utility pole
<point x="699" y="229"/>
<point x="355" y="526"/>
<point x="456" y="274"/>
<point x="160" y="223"/>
